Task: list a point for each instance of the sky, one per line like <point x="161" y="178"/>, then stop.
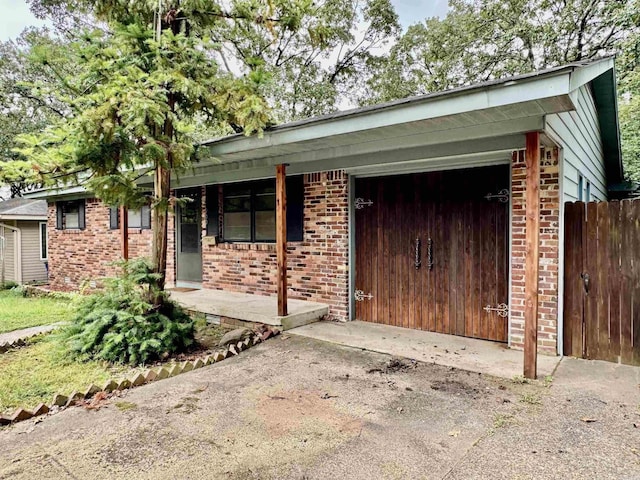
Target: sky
<point x="16" y="15"/>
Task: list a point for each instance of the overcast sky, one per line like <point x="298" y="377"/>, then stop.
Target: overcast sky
<point x="16" y="15"/>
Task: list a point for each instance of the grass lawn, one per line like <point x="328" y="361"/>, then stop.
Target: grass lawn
<point x="34" y="373"/>
<point x="18" y="312"/>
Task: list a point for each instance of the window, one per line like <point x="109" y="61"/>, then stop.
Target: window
<point x="249" y="211"/>
<point x="140" y="218"/>
<point x="588" y="192"/>
<point x="43" y="241"/>
<point x="70" y="215"/>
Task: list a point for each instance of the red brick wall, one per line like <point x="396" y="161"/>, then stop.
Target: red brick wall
<point x="318" y="266"/>
<point x="549" y="251"/>
<point x="84" y="255"/>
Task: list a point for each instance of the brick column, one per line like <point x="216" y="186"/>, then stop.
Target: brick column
<point x="549" y="251"/>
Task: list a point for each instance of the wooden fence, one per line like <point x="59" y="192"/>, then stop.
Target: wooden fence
<point x="602" y="281"/>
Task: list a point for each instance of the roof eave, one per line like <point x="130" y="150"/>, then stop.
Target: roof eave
<point x="35" y="218"/>
<point x="605" y="95"/>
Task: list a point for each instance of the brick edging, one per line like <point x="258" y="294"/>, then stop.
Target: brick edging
<point x="150" y="375"/>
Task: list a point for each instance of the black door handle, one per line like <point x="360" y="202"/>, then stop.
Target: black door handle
<point x="417" y="261"/>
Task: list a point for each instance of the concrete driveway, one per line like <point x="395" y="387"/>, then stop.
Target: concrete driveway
<point x="298" y="408"/>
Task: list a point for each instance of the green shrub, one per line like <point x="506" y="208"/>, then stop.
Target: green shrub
<point x="121" y="324"/>
<point x="8" y="285"/>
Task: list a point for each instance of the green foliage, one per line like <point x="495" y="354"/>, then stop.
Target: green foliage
<point x="8" y="285"/>
<point x="30" y="98"/>
<point x="481" y="40"/>
<point x="122" y="324"/>
<point x="312" y="69"/>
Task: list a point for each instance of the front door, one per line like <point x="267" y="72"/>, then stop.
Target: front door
<point x="188" y="237"/>
<point x="432" y="251"/>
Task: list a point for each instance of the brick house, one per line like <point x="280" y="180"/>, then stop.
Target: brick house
<point x="420" y="213"/>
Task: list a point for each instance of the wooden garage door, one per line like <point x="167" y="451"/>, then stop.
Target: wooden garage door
<point x="432" y="251"/>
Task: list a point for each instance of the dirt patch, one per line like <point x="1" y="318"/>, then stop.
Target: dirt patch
<point x="455" y="387"/>
<point x="286" y="412"/>
<point x="395" y="365"/>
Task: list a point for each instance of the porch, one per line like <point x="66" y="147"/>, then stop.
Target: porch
<point x="248" y="308"/>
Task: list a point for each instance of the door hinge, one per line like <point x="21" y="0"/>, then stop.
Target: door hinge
<point x="502" y="196"/>
<point x="360" y="296"/>
<point x="359" y="203"/>
<point x="502" y="309"/>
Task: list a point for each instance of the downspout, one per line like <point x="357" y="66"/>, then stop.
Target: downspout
<point x="17" y="253"/>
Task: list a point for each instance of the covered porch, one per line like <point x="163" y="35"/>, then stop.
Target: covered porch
<point x="241" y="308"/>
<point x="499" y="124"/>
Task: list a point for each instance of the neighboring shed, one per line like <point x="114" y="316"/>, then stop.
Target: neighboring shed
<point x="23" y="241"/>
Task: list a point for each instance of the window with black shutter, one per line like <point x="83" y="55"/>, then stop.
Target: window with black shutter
<point x="249" y="211"/>
<point x="70" y="215"/>
<point x="139" y="218"/>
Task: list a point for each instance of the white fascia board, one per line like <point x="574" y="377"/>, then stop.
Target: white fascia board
<point x="583" y="75"/>
<point x="489" y="97"/>
<point x="23" y="218"/>
<point x="58" y="192"/>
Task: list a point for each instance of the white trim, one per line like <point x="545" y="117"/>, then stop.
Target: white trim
<point x="351" y="249"/>
<point x="40" y="225"/>
<point x="23" y="218"/>
<point x="17" y="251"/>
<point x="510" y="275"/>
<point x="554" y="87"/>
<point x="560" y="317"/>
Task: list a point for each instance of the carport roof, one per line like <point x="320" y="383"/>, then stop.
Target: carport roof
<point x="550" y="90"/>
<point x="483" y="122"/>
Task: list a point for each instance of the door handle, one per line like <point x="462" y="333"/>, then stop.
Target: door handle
<point x="417" y="260"/>
<point x="430" y="254"/>
<point x="586" y="282"/>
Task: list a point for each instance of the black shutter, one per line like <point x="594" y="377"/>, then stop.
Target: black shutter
<point x="145" y="217"/>
<point x="213" y="213"/>
<point x="114" y="223"/>
<point x="59" y="216"/>
<point x="81" y="215"/>
<point x="295" y="208"/>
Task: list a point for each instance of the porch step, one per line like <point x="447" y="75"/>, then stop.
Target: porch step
<point x="250" y="308"/>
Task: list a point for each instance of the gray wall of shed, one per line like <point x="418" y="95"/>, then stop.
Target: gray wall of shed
<point x="33" y="269"/>
<point x="9" y="255"/>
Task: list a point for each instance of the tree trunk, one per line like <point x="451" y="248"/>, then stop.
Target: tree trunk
<point x="162" y="187"/>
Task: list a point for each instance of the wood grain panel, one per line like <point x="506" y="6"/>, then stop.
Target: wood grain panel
<point x="469" y="243"/>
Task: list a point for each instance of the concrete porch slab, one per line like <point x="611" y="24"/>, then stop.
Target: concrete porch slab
<point x="459" y="352"/>
<point x="250" y="308"/>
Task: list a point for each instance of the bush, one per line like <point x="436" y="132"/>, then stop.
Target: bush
<point x="8" y="285"/>
<point x="121" y="324"/>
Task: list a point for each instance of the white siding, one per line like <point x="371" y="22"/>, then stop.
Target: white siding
<point x="33" y="269"/>
<point x="579" y="136"/>
<point x="9" y="256"/>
